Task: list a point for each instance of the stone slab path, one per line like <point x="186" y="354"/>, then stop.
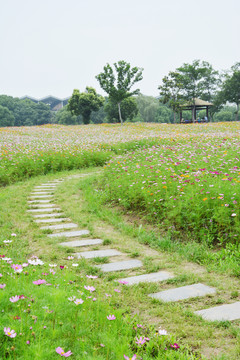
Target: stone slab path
<point x="43" y="210"/>
<point x="51" y="220"/>
<point x="184" y="292"/>
<point x="221" y="313"/>
<point x="59" y="227"/>
<point x="98" y="253"/>
<point x="69" y="234"/>
<point x="120" y="265"/>
<point x="39" y="202"/>
<point x="84" y="242"/>
<point x="48" y="215"/>
<point x="152" y="277"/>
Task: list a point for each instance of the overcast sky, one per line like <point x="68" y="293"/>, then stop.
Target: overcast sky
<point x="50" y="47"/>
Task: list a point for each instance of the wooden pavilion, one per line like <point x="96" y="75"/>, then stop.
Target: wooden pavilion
<point x="194" y="106"/>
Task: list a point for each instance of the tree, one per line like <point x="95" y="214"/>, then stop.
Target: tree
<point x="117" y="84"/>
<point x="64" y="117"/>
<point x="198" y="80"/>
<point x="6" y="117"/>
<point x="170" y="92"/>
<point x="84" y="103"/>
<point x="231" y="87"/>
<point x="129" y="109"/>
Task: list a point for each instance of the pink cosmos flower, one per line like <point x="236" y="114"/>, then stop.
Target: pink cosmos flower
<point x="111" y="317"/>
<point x="92" y="276"/>
<point x="17" y="268"/>
<point x="90" y="288"/>
<point x="39" y="282"/>
<point x="162" y="332"/>
<point x="124" y="282"/>
<point x="61" y="352"/>
<point x="108" y="295"/>
<point x="9" y="332"/>
<point x="132" y="358"/>
<point x="117" y="290"/>
<point x="2" y="286"/>
<point x="78" y="301"/>
<point x="13" y="234"/>
<point x="14" y="299"/>
<point x="175" y="346"/>
<point x="141" y="340"/>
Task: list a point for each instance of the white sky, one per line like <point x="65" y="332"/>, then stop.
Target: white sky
<point x="53" y="46"/>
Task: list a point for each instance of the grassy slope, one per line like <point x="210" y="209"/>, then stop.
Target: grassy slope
<point x="47" y="318"/>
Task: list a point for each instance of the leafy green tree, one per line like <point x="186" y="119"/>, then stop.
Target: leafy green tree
<point x="198" y="80"/>
<point x="129" y="109"/>
<point x="170" y="92"/>
<point x="84" y="103"/>
<point x="64" y="117"/>
<point x="6" y="117"/>
<point x="231" y="87"/>
<point x="26" y="112"/>
<point x="118" y="82"/>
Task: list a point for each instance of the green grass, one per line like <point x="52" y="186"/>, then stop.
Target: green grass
<point x="132" y="236"/>
<point x="44" y="318"/>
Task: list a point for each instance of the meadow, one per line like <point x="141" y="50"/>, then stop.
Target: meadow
<point x="182" y="179"/>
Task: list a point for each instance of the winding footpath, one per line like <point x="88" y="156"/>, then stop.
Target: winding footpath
<point x="50" y="217"/>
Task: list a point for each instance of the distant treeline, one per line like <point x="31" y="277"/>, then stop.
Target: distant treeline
<point x="17" y="112"/>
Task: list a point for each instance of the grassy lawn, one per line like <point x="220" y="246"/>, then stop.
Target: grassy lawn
<point x="53" y="305"/>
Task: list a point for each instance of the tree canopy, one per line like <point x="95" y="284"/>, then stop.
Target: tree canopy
<point x="118" y="82"/>
<point x="231" y="87"/>
<point x="84" y="103"/>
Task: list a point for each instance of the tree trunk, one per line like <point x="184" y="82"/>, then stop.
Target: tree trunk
<point x="119" y="112"/>
<point x="237" y="112"/>
<point x="174" y="117"/>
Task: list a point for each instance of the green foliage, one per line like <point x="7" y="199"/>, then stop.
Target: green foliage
<point x="64" y="117"/>
<point x="119" y="83"/>
<point x="6" y="117"/>
<point x="231" y="88"/>
<point x="84" y="103"/>
<point x="151" y="110"/>
<point x="26" y="112"/>
<point x="129" y="109"/>
<point x="170" y="91"/>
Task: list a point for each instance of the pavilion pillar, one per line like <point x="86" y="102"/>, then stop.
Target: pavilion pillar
<point x="207" y="112"/>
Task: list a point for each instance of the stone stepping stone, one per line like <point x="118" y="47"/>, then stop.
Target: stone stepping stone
<point x="84" y="242"/>
<point x="41" y="193"/>
<point x="39" y="201"/>
<point x="41" y="196"/>
<point x="47" y="215"/>
<point x="120" y="265"/>
<point x="221" y="313"/>
<point x="43" y="210"/>
<point x="52" y="220"/>
<point x="40" y="188"/>
<point x="97" y="253"/>
<point x="45" y="206"/>
<point x="184" y="292"/>
<point x="153" y="277"/>
<point x="59" y="227"/>
<point x="70" y="233"/>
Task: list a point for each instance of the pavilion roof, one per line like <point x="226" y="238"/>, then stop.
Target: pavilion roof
<point x="197" y="102"/>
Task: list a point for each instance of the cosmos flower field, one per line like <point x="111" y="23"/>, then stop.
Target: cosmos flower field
<point x="189" y="180"/>
<point x="184" y="177"/>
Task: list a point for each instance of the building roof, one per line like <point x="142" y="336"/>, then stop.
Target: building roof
<point x="197" y="102"/>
